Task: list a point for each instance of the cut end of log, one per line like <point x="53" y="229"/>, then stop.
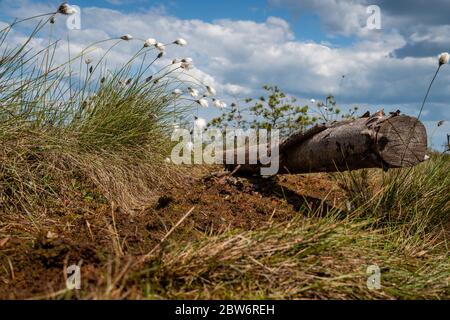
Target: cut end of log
<point x="401" y="141"/>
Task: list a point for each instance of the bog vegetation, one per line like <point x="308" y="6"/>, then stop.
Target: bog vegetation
<point x="84" y="179"/>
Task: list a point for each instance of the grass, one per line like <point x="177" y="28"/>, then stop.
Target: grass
<point x="83" y="180"/>
<point x="414" y="200"/>
<point x="322" y="259"/>
<point x="109" y="127"/>
<point x="401" y="228"/>
<point x="302" y="254"/>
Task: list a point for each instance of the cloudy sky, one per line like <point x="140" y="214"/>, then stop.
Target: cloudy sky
<point x="303" y="46"/>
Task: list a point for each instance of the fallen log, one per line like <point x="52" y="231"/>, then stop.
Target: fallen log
<point x="379" y="141"/>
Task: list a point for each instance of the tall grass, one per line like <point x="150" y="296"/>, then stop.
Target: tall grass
<point x="400" y="227"/>
<point x="110" y="127"/>
<point x="106" y="133"/>
<point x="314" y="259"/>
<point x="409" y="204"/>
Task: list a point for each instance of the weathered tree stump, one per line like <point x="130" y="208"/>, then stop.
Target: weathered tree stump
<point x="379" y="141"/>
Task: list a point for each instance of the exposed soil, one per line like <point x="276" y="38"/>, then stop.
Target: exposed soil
<point x="35" y="250"/>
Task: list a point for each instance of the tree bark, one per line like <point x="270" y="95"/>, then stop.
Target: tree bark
<point x="392" y="141"/>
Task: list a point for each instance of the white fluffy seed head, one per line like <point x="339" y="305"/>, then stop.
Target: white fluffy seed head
<point x="126" y="37"/>
<point x="177" y="92"/>
<point x="180" y="42"/>
<point x="186" y="66"/>
<point x="312" y="101"/>
<point x="160" y="46"/>
<point x="200" y="123"/>
<point x="444" y="58"/>
<point x="211" y="90"/>
<point x="193" y="92"/>
<point x="66" y="9"/>
<point x="150" y="42"/>
<point x="203" y="102"/>
<point x="186" y="63"/>
<point x="219" y="104"/>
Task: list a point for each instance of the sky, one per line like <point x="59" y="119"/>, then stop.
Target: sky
<point x="303" y="46"/>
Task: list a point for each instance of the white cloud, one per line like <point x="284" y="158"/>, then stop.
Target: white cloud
<point x="344" y="17"/>
<point x="238" y="56"/>
<point x="236" y="90"/>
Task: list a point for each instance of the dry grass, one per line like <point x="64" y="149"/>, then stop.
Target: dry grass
<point x="310" y="255"/>
<point x="79" y="178"/>
<point x="36" y="171"/>
<point x="313" y="259"/>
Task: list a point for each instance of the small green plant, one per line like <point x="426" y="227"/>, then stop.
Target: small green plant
<point x="276" y="110"/>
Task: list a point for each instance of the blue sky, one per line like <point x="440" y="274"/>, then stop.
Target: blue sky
<point x="303" y="46"/>
<point x="306" y="25"/>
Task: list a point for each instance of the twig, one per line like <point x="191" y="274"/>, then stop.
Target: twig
<point x="222" y="180"/>
<point x="146" y="256"/>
